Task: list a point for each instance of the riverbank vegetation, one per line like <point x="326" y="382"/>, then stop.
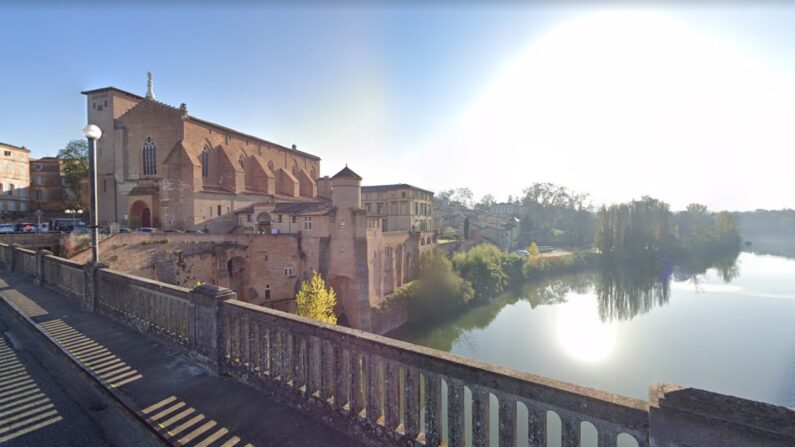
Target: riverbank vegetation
<point x="646" y="230"/>
<point x="641" y="232"/>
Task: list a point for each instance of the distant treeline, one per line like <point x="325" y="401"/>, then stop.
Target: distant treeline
<point x="555" y="215"/>
<point x="767" y="222"/>
<point x="646" y="229"/>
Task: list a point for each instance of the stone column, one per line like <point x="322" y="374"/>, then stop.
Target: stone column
<point x="91" y="275"/>
<point x="205" y="331"/>
<point x="40" y="255"/>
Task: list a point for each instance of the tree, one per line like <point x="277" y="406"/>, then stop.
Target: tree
<point x="315" y="301"/>
<point x="75" y="156"/>
<point x="533" y="250"/>
<point x="486" y="202"/>
<point x="462" y="196"/>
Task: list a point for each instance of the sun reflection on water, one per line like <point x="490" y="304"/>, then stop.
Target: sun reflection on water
<point x="581" y="333"/>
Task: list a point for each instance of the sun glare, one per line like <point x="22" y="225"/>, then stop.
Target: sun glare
<point x="580" y="332"/>
<point x="605" y="94"/>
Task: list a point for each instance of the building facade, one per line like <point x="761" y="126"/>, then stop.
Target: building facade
<point x="269" y="219"/>
<point x="160" y="167"/>
<point x="14" y="178"/>
<point x="403" y="207"/>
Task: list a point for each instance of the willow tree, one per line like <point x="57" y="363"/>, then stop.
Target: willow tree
<point x="316" y="301"/>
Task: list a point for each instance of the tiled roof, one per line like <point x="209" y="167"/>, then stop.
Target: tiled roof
<point x="21" y="148"/>
<point x="346" y="172"/>
<point x="208" y="123"/>
<point x="381" y="188"/>
<point x="215" y="189"/>
<point x="305" y="208"/>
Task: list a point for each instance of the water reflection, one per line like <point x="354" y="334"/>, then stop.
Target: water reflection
<point x="622" y="294"/>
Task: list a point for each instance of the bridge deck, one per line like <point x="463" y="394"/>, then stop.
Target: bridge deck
<point x="177" y="398"/>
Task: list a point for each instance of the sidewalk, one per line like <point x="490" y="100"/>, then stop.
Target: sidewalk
<point x="180" y="400"/>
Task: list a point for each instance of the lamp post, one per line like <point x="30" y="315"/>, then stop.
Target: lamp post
<point x="74" y="214"/>
<point x="38" y="213"/>
<point x="92" y="134"/>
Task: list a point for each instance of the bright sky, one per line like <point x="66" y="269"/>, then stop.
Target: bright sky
<point x="687" y="105"/>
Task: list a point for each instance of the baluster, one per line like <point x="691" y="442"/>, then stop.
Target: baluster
<point x="433" y="410"/>
<point x="256" y="350"/>
<point x="325" y="371"/>
<point x="245" y="353"/>
<point x="373" y="388"/>
<point x="607" y="437"/>
<point x="225" y="335"/>
<point x="569" y="430"/>
<point x="536" y="425"/>
<point x="340" y="379"/>
<point x="412" y="390"/>
<point x="311" y="367"/>
<point x="356" y="395"/>
<point x="391" y="396"/>
<point x="455" y="412"/>
<point x="298" y="362"/>
<point x="285" y="357"/>
<point x="252" y="346"/>
<point x="273" y="353"/>
<point x="507" y="420"/>
<point x="480" y="417"/>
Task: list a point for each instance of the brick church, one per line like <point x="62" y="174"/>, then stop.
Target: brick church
<point x="159" y="166"/>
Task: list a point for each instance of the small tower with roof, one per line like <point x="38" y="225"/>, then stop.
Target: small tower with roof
<point x="346" y="189"/>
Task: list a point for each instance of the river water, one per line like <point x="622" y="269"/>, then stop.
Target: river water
<point x="729" y="329"/>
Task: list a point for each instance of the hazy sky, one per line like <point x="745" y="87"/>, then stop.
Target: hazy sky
<point x="694" y="104"/>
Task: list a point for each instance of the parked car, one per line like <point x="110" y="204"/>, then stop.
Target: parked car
<point x="24" y="227"/>
<point x="124" y="230"/>
<point x="42" y="228"/>
<point x="6" y="228"/>
<point x="146" y="230"/>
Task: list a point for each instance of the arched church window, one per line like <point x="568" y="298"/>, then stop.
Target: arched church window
<point x="206" y="162"/>
<point x="312" y="174"/>
<point x="150" y="157"/>
<point x="270" y="165"/>
<point x="242" y="161"/>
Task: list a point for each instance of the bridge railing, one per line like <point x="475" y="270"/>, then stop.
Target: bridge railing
<point x="396" y="393"/>
<point x="406" y="392"/>
<point x="152" y="307"/>
<point x="64" y="276"/>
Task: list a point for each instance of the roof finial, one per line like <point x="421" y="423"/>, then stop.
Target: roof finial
<point x="150" y="93"/>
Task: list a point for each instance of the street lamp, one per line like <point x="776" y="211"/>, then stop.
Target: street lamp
<point x="38" y="214"/>
<point x="92" y="134"/>
<point x="74" y="214"/>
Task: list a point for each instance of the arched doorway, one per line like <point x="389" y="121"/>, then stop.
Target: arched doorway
<point x="140" y="215"/>
<point x="237" y="268"/>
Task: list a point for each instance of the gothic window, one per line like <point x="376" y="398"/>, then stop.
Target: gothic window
<point x="242" y="161"/>
<point x="312" y="174"/>
<point x="150" y="157"/>
<point x="270" y="165"/>
<point x="206" y="162"/>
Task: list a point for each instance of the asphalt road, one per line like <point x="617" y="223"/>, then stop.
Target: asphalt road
<point x="34" y="409"/>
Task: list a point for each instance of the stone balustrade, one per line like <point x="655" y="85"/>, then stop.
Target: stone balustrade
<point x="395" y="393"/>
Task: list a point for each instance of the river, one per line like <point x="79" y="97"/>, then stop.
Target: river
<point x="728" y="329"/>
